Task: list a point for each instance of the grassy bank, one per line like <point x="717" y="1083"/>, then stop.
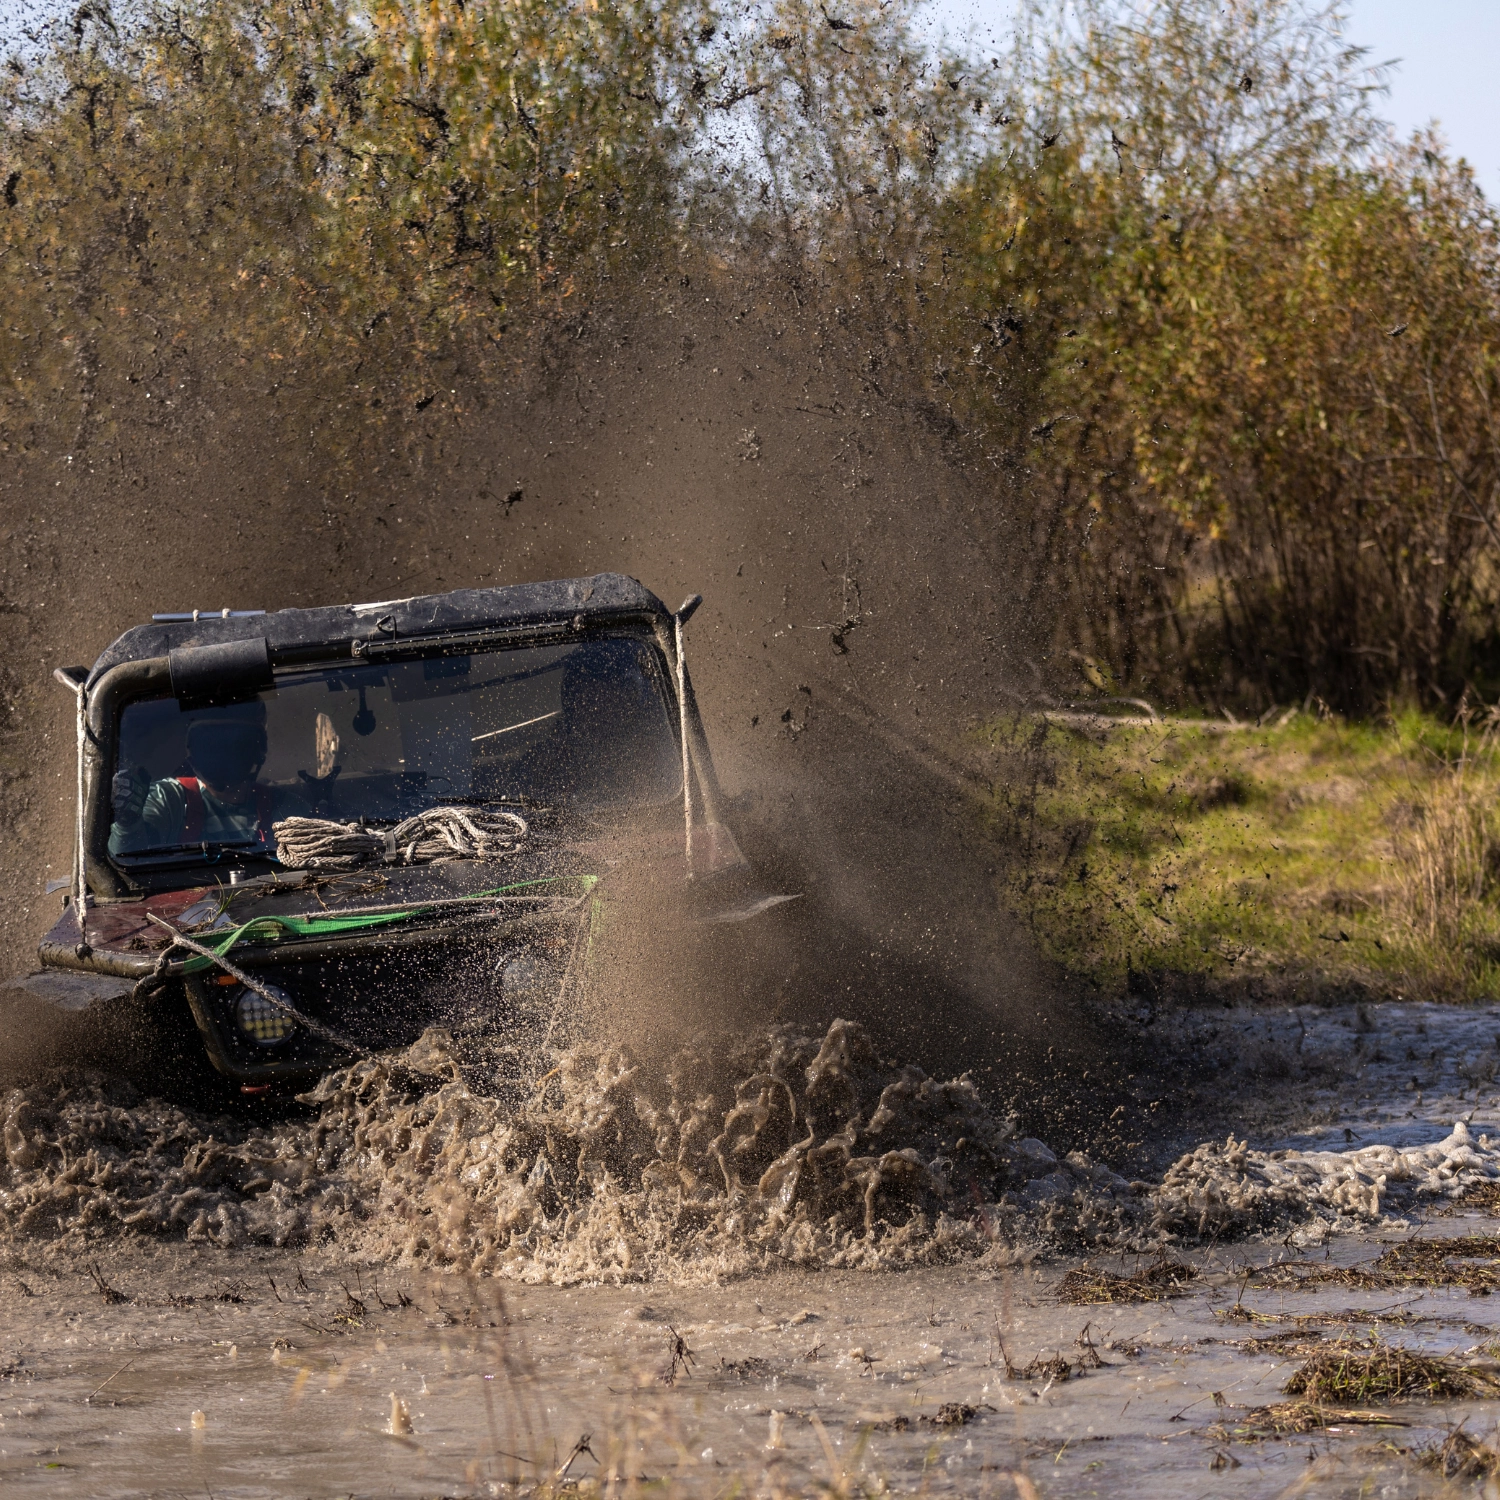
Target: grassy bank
<point x="1315" y="850"/>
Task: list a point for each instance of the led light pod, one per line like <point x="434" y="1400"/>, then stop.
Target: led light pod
<point x="261" y="1022"/>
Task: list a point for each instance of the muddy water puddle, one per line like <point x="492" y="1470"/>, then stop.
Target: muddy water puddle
<point x="137" y="1364"/>
<point x="786" y="1381"/>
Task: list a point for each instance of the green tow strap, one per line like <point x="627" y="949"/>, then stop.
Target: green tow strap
<point x="271" y="928"/>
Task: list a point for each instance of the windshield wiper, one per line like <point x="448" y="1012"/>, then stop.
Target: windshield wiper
<point x="198" y="849"/>
<point x="511" y="728"/>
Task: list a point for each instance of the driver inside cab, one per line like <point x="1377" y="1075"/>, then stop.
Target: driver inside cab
<point x="218" y="799"/>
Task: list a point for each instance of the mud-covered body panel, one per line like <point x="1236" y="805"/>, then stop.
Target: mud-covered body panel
<point x="425" y="945"/>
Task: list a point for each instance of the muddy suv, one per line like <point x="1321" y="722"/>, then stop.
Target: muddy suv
<point x="318" y="831"/>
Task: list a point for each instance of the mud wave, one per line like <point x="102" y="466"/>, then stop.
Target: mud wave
<point x="733" y="1156"/>
<point x="796" y="1148"/>
<point x="1228" y="1188"/>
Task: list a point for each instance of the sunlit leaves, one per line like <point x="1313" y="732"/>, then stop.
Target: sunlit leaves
<point x="303" y="177"/>
<point x="1264" y="342"/>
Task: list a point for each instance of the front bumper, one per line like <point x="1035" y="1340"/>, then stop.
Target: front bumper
<point x="491" y="978"/>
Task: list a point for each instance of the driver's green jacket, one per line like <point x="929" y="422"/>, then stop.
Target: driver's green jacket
<point x="163" y="820"/>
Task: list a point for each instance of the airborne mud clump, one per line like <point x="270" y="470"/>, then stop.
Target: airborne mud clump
<point x="733" y="1155"/>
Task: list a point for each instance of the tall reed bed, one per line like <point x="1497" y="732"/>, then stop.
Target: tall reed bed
<point x="1445" y="874"/>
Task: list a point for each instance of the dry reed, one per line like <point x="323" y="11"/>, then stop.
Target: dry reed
<point x="1447" y="854"/>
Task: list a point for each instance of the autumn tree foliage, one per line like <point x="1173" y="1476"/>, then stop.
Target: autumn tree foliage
<point x="1264" y="452"/>
<point x="362" y="186"/>
<point x="1227" y="348"/>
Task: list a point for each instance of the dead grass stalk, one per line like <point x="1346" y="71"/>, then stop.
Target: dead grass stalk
<point x="1087" y="1286"/>
<point x="1448" y="854"/>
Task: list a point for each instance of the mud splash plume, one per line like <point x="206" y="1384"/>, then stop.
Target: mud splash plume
<point x="733" y="1156"/>
<point x="601" y="1171"/>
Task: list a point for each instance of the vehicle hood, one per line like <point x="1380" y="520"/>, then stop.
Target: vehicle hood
<point x="301" y="905"/>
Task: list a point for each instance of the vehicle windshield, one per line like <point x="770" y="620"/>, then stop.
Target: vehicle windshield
<point x="583" y="726"/>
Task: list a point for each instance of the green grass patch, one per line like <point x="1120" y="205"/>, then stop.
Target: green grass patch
<point x="1345" y="851"/>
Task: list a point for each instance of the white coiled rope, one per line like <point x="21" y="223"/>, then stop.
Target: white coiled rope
<point x="438" y="833"/>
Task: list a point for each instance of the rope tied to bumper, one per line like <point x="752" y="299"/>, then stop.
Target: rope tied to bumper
<point x="437" y="833"/>
<point x="273" y="996"/>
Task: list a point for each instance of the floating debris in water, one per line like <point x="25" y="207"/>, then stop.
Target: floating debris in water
<point x="1294" y="1343"/>
<point x="1369" y="1370"/>
<point x="1291" y="1417"/>
<point x="1458" y="1456"/>
<point x="1471" y="1261"/>
<point x="955" y="1414"/>
<point x="1163" y="1278"/>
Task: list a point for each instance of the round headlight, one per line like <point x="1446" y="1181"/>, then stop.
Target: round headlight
<point x="260" y="1021"/>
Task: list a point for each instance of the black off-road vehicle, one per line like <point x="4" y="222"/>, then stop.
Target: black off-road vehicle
<point x="318" y="831"/>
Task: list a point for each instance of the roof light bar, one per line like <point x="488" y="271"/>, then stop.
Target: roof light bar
<point x="206" y="614"/>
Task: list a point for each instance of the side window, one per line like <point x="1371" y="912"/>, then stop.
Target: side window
<point x="153" y="735"/>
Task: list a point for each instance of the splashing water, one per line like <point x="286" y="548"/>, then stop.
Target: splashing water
<point x="735" y="1155"/>
<point x="797" y="1148"/>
